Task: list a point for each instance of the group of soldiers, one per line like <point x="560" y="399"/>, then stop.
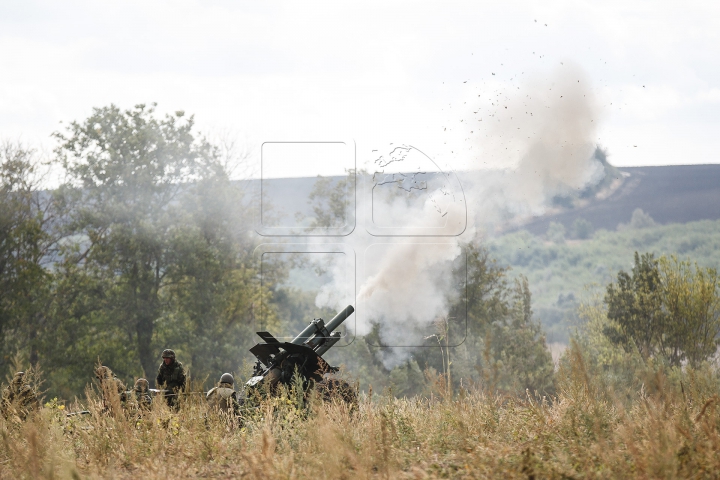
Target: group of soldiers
<point x="19" y="399"/>
<point x="171" y="381"/>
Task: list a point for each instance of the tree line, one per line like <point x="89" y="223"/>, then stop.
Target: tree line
<point x="144" y="245"/>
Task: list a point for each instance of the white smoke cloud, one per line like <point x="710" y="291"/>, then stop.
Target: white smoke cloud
<point x="543" y="133"/>
<point x="408" y="290"/>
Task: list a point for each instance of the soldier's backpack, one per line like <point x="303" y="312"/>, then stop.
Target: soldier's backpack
<point x="223" y="399"/>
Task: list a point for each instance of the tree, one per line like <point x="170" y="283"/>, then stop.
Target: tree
<point x="638" y="221"/>
<point x="692" y="306"/>
<point x="667" y="308"/>
<point x="330" y="199"/>
<point x="26" y="245"/>
<point x="503" y="346"/>
<point x="131" y="177"/>
<point x="635" y="305"/>
<point x="519" y="344"/>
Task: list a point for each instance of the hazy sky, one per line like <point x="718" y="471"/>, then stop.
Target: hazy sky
<point x="374" y="72"/>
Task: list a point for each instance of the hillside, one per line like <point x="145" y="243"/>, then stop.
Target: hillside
<point x="562" y="273"/>
<point x="670" y="194"/>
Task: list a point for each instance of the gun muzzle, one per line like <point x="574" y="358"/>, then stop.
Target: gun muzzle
<point x="339" y="318"/>
<point x="318" y="332"/>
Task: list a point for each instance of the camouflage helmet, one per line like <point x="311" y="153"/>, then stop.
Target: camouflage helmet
<point x="227" y="378"/>
<point x="103" y="372"/>
<point x="168" y="353"/>
<point x="18" y="377"/>
<point x="141" y="385"/>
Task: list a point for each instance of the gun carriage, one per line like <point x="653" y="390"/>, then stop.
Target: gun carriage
<point x="278" y="362"/>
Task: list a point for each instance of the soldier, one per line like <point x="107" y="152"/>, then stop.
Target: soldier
<point x="223" y="398"/>
<point x="19" y="398"/>
<point x="141" y="391"/>
<point x="110" y="386"/>
<point x="171" y="376"/>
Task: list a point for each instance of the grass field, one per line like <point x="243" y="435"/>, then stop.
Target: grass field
<point x="667" y="428"/>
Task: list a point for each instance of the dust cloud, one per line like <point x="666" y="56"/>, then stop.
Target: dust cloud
<point x="542" y="136"/>
<point x="536" y="142"/>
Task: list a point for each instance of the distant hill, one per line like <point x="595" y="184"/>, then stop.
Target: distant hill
<point x="669" y="194"/>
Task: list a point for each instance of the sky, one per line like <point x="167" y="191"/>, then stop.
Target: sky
<point x="366" y="73"/>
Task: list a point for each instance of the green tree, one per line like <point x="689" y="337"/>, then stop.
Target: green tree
<point x="131" y="179"/>
<point x="666" y="308"/>
<point x="519" y="348"/>
<point x="692" y="307"/>
<point x="500" y="343"/>
<point x="638" y="221"/>
<point x="26" y="246"/>
<point x="635" y="306"/>
<point x="330" y="199"/>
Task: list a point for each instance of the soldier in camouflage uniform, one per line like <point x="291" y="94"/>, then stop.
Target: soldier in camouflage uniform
<point x="141" y="392"/>
<point x="223" y="398"/>
<point x="112" y="388"/>
<point x="19" y="399"/>
<point x="171" y="376"/>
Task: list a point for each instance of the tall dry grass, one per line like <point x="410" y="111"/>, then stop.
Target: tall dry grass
<point x="666" y="430"/>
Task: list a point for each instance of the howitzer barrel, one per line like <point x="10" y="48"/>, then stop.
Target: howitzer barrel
<point x="314" y="327"/>
<point x="332" y="340"/>
<point x="319" y="327"/>
<point x="339" y="318"/>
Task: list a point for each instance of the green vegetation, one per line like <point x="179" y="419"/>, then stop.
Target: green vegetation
<point x="667" y="308"/>
<point x="561" y="274"/>
<point x="26" y="241"/>
<point x="144" y="246"/>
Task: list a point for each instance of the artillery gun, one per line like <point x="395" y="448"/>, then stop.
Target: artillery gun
<point x="278" y="362"/>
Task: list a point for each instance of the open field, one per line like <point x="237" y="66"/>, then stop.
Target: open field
<point x="669" y="427"/>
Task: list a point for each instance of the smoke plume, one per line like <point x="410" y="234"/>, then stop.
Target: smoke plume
<point x="543" y="136"/>
<point x="537" y="142"/>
